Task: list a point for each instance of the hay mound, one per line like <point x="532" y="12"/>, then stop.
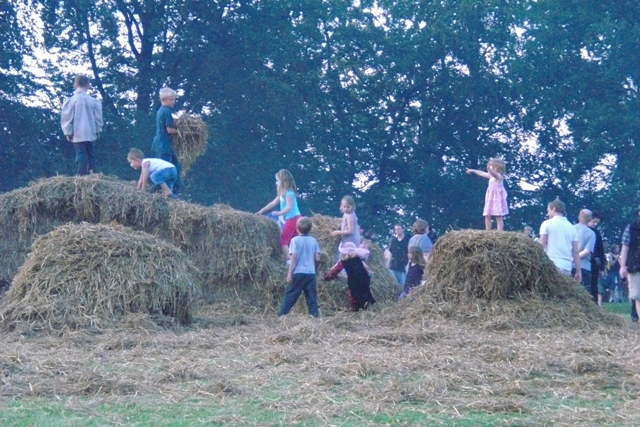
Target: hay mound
<point x="237" y="253"/>
<point x="472" y="264"/>
<point x="240" y="259"/>
<point x="83" y="273"/>
<point x="47" y="203"/>
<point x="498" y="280"/>
<point x="191" y="140"/>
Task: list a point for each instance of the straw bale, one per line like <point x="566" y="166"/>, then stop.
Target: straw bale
<point x="498" y="280"/>
<point x="237" y="253"/>
<point x="83" y="274"/>
<point x="191" y="140"/>
<point x="47" y="203"/>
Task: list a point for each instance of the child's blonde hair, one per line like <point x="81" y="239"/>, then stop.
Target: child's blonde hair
<point x="349" y="201"/>
<point x="286" y="182"/>
<point x="499" y="165"/>
<point x="135" y="154"/>
<point x="416" y="256"/>
<point x="166" y="93"/>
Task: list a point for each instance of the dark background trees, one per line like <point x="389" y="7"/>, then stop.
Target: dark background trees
<point x="389" y="101"/>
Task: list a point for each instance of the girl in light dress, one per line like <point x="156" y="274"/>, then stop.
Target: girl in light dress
<point x="349" y="229"/>
<point x="495" y="200"/>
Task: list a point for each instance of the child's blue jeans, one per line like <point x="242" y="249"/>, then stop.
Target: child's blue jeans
<point x="300" y="282"/>
<point x="165" y="176"/>
<point x="85" y="157"/>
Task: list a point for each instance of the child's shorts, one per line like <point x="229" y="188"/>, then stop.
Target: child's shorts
<point x="165" y="176"/>
<point x="289" y="231"/>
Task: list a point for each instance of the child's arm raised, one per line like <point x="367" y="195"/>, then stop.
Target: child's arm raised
<point x="478" y="172"/>
<point x="272" y="204"/>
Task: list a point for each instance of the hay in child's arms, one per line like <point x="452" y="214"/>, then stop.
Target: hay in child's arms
<point x="191" y="140"/>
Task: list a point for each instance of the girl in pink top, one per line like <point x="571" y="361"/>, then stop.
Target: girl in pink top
<point x="495" y="201"/>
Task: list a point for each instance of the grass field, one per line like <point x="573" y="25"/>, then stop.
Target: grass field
<point x="623" y="309"/>
<point x="351" y="369"/>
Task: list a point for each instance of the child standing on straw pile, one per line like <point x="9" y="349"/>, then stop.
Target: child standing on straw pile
<point x="415" y="270"/>
<point x="162" y="145"/>
<point x="81" y="121"/>
<point x="288" y="202"/>
<point x="349" y="229"/>
<point x="158" y="171"/>
<point x="301" y="276"/>
<point x="495" y="200"/>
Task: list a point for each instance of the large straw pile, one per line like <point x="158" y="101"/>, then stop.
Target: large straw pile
<point x="83" y="274"/>
<point x="498" y="280"/>
<point x="191" y="140"/>
<point x="236" y="252"/>
<point x="48" y="203"/>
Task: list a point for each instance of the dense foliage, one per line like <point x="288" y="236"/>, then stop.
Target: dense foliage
<point x="387" y="100"/>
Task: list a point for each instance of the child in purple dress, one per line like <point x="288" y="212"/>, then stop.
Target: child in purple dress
<point x="495" y="201"/>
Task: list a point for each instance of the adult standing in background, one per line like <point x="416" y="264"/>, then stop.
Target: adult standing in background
<point x="433" y="236"/>
<point x="559" y="240"/>
<point x="586" y="246"/>
<point x="420" y="238"/>
<point x="81" y="121"/>
<point x="399" y="250"/>
<point x="630" y="261"/>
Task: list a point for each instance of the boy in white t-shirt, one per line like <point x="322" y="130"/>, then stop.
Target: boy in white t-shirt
<point x="158" y="171"/>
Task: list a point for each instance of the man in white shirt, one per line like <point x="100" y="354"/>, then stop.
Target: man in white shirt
<point x="559" y="240"/>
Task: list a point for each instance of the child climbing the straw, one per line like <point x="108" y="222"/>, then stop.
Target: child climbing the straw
<point x="158" y="171"/>
<point x="301" y="276"/>
<point x="286" y="199"/>
<point x="352" y="259"/>
<point x="358" y="277"/>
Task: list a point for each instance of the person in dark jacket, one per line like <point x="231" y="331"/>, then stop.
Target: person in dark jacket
<point x="598" y="260"/>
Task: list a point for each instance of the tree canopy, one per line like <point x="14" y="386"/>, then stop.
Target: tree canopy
<point x="387" y="100"/>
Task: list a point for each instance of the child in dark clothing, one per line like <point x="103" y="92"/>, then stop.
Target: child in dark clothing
<point x="162" y="145"/>
<point x="358" y="279"/>
<point x="415" y="270"/>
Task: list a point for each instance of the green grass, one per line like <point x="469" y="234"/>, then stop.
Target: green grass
<point x="621" y="308"/>
<point x="45" y="413"/>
